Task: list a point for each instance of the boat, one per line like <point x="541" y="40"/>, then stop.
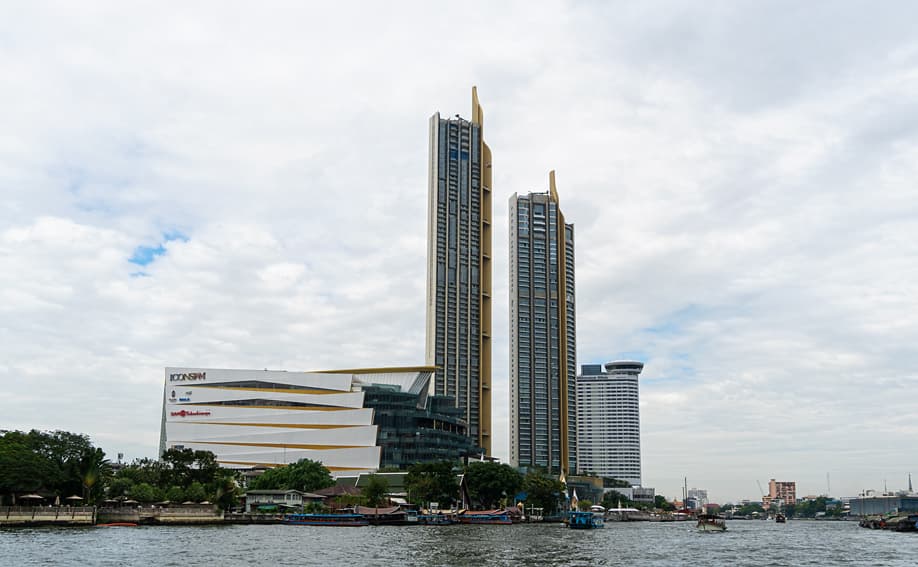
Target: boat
<point x="326" y="520"/>
<point x="585" y="521"/>
<point x="389" y="516"/>
<point x="780" y="519"/>
<point x="494" y="517"/>
<point x="436" y="520"/>
<point x="711" y="523"/>
<point x="117" y="525"/>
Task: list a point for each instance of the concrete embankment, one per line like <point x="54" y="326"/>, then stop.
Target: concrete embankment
<point x="184" y="515"/>
<point x="47" y="516"/>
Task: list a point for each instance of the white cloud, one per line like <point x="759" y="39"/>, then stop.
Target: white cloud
<point x="741" y="178"/>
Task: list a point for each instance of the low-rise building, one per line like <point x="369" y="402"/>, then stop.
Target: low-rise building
<point x="870" y="505"/>
<point x="277" y="500"/>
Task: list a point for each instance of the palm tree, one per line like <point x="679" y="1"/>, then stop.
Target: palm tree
<point x="93" y="466"/>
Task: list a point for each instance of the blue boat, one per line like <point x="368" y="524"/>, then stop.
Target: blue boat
<point x="326" y="520"/>
<point x="584" y="521"/>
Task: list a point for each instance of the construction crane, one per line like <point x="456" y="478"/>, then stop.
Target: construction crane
<point x="762" y="492"/>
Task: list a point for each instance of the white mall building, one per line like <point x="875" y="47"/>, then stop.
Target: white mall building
<point x="268" y="418"/>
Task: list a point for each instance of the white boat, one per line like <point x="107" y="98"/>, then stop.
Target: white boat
<point x="711" y="523"/>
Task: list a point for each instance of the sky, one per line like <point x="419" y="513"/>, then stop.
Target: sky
<point x="244" y="185"/>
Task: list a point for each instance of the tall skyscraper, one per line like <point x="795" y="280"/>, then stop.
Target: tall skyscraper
<point x="609" y="421"/>
<point x="543" y="333"/>
<point x="459" y="267"/>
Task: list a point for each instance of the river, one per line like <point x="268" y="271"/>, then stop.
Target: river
<point x="746" y="543"/>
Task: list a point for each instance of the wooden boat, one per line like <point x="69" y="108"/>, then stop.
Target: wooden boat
<point x="711" y="523"/>
<point x="436" y="520"/>
<point x="585" y="521"/>
<point x="326" y="520"/>
<point x="494" y="517"/>
<point x="780" y="519"/>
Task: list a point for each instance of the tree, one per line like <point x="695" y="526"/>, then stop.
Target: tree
<point x="144" y="492"/>
<point x="181" y="467"/>
<point x="305" y="475"/>
<point x="614" y="499"/>
<point x="660" y="502"/>
<point x="543" y="491"/>
<point x="376" y="491"/>
<point x="584" y="505"/>
<point x="175" y="494"/>
<point x="196" y="492"/>
<point x="21" y="469"/>
<point x="432" y="482"/>
<point x="489" y="483"/>
<point x="94" y="467"/>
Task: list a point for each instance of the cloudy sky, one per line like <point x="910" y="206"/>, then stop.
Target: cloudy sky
<point x="244" y="186"/>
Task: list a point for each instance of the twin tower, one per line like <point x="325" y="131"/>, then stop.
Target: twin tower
<point x="543" y="422"/>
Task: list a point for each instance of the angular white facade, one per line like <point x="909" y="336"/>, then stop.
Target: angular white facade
<point x="268" y="417"/>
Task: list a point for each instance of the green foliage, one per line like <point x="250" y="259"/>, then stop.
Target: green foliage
<point x="181" y="467"/>
<point x="175" y="494"/>
<point x="584" y="505"/>
<point x="58" y="462"/>
<point x="490" y="483"/>
<point x="543" y="491"/>
<point x="613" y="498"/>
<point x="374" y="493"/>
<point x="660" y="502"/>
<point x="432" y="482"/>
<point x="750" y="509"/>
<point x="120" y="487"/>
<point x="305" y="475"/>
<point x="195" y="492"/>
<point x="145" y="492"/>
<point x="314" y="508"/>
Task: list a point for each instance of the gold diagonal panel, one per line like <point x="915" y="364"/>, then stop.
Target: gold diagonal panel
<point x="274" y="465"/>
<point x="276" y="390"/>
<point x="284" y="425"/>
<point x="304" y="408"/>
<point x="275" y="445"/>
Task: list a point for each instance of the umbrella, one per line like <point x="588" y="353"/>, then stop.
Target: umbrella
<point x="131" y="502"/>
<point x="185" y="503"/>
<point x="205" y="502"/>
<point x="31" y="497"/>
<point x="74" y="497"/>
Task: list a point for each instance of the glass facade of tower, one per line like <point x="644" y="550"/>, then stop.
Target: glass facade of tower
<point x="458" y="291"/>
<point x="417" y="429"/>
<point x="543" y="426"/>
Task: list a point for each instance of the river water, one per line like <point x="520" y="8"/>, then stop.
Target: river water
<point x="746" y="543"/>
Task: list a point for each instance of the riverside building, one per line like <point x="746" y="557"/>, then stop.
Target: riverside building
<point x="543" y="352"/>
<point x="250" y="418"/>
<point x="459" y="267"/>
<point x="608" y="420"/>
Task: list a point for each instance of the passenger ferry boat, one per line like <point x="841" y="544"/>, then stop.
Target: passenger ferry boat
<point x="711" y="523"/>
<point x="585" y="521"/>
<point x="326" y="520"/>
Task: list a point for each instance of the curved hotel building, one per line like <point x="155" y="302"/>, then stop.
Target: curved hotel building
<point x="608" y="420"/>
<point x="253" y="418"/>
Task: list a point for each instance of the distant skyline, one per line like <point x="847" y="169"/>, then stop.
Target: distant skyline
<point x="230" y="186"/>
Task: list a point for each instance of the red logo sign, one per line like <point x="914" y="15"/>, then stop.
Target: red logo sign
<point x="186" y="413"/>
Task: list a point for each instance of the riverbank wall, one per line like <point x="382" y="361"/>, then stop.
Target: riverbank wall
<point x="47" y="516"/>
<point x="178" y="516"/>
